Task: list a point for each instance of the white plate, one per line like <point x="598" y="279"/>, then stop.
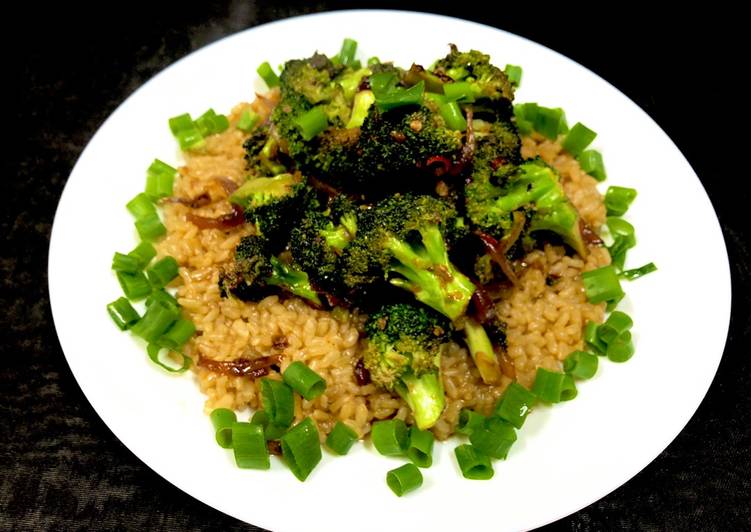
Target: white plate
<point x="566" y="457"/>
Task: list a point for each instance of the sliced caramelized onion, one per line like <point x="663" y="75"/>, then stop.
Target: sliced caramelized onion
<point x="516" y="231"/>
<point x="590" y="237"/>
<point x="507" y="364"/>
<point x="439" y="164"/>
<point x="225" y="221"/>
<point x="498" y="253"/>
<point x="362" y="375"/>
<point x="194" y="203"/>
<point x="227" y="184"/>
<point x="241" y="367"/>
<point x="484" y="308"/>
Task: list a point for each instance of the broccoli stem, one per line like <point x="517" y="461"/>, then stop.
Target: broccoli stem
<point x="425" y="397"/>
<point x="481" y="349"/>
<point x="295" y="281"/>
<point x="429" y="274"/>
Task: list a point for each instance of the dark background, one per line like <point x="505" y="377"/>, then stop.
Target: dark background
<point x="67" y="69"/>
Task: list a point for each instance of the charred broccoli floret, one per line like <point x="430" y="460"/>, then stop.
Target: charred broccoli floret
<point x="403" y="354"/>
<point x="256" y="273"/>
<point x="481" y="350"/>
<point x="405" y="235"/>
<point x="262" y="154"/>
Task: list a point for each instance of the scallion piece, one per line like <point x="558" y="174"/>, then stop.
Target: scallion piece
<point x="618" y="200"/>
<point x="222" y="420"/>
<point x="143" y="253"/>
<point x="312" y="122"/>
<point x="460" y="91"/>
<point x="624" y="238"/>
<point x="341" y="439"/>
<point x="162" y="272"/>
<point x="494" y="438"/>
<point x="135" y="285"/>
<point x="140" y="206"/>
<point x="278" y="402"/>
<point x="549" y="385"/>
<point x="373" y="61"/>
<point x="602" y="284"/>
<point x="304" y="380"/>
<point x="404" y="479"/>
<point x="452" y="114"/>
<point x="389" y="96"/>
<point x="550" y="122"/>
<point x="515" y="404"/>
<point x="390" y="437"/>
<point x="270" y="431"/>
<point x="178" y="333"/>
<point x="160" y="178"/>
<point x="514" y="74"/>
<point x="639" y="272"/>
<point x="150" y="227"/>
<point x="347" y="53"/>
<point x="578" y="139"/>
<point x="210" y="123"/>
<point x="617" y="323"/>
<point x="592" y="339"/>
<point x="581" y="365"/>
<point x="157" y="319"/>
<point x="163" y="296"/>
<point x="621" y="348"/>
<point x="125" y="263"/>
<point x="154" y="350"/>
<point x="249" y="446"/>
<point x="469" y="420"/>
<point x="473" y="464"/>
<point x="420" y="449"/>
<point x="247" y="121"/>
<point x="524" y="116"/>
<point x="123" y="313"/>
<point x="186" y="132"/>
<point x="591" y="162"/>
<point x="268" y="75"/>
<point x="301" y="448"/>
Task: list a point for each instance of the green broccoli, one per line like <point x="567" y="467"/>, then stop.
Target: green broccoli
<point x="403" y="354"/>
<point x="404" y="234"/>
<point x="256" y="273"/>
<point x="262" y="154"/>
<point x="481" y="349"/>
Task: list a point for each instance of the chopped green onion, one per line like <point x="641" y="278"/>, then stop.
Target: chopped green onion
<point x="551" y="386"/>
<point x="248" y="120"/>
<point x="268" y="75"/>
<point x="390" y="437"/>
<point x="469" y="420"/>
<point x="592" y="339"/>
<point x="210" y="123"/>
<point x="618" y="200"/>
<point x="341" y="439"/>
<point x="157" y="319"/>
<point x="140" y="206"/>
<point x="591" y="162"/>
<point x="270" y="430"/>
<point x="617" y="323"/>
<point x="154" y="350"/>
<point x="373" y="61"/>
<point x="389" y="96"/>
<point x="150" y="227"/>
<point x="581" y="365"/>
<point x="162" y="272"/>
<point x="143" y="253"/>
<point x="578" y="139"/>
<point x="621" y="348"/>
<point x="163" y="296"/>
<point x="301" y="448"/>
<point x="453" y="116"/>
<point x="457" y="73"/>
<point x="404" y="479"/>
<point x="420" y="449"/>
<point x="639" y="272"/>
<point x="123" y="313"/>
<point x="304" y="380"/>
<point x="186" y="132"/>
<point x="135" y="285"/>
<point x="514" y="74"/>
<point x="278" y="402"/>
<point x="160" y="178"/>
<point x="550" y="122"/>
<point x="473" y="464"/>
<point x="624" y="238"/>
<point x="568" y="388"/>
<point x="312" y="122"/>
<point x="249" y="446"/>
<point x="347" y="53"/>
<point x="176" y="336"/>
<point x="222" y="420"/>
<point x="524" y="116"/>
<point x="494" y="438"/>
<point x="515" y="404"/>
<point x="125" y="263"/>
<point x="460" y="91"/>
<point x="602" y="284"/>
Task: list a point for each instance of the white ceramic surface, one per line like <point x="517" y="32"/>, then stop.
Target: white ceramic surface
<point x="566" y="457"/>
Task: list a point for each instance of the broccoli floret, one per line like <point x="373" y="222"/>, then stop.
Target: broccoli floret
<point x="262" y="154"/>
<point x="493" y="195"/>
<point x="482" y="351"/>
<point x="403" y="353"/>
<point x="256" y="273"/>
<point x="272" y="204"/>
<point x="404" y="235"/>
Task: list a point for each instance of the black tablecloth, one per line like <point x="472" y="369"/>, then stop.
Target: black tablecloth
<point x="70" y="68"/>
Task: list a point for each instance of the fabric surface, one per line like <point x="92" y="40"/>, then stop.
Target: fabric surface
<point x="62" y="469"/>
